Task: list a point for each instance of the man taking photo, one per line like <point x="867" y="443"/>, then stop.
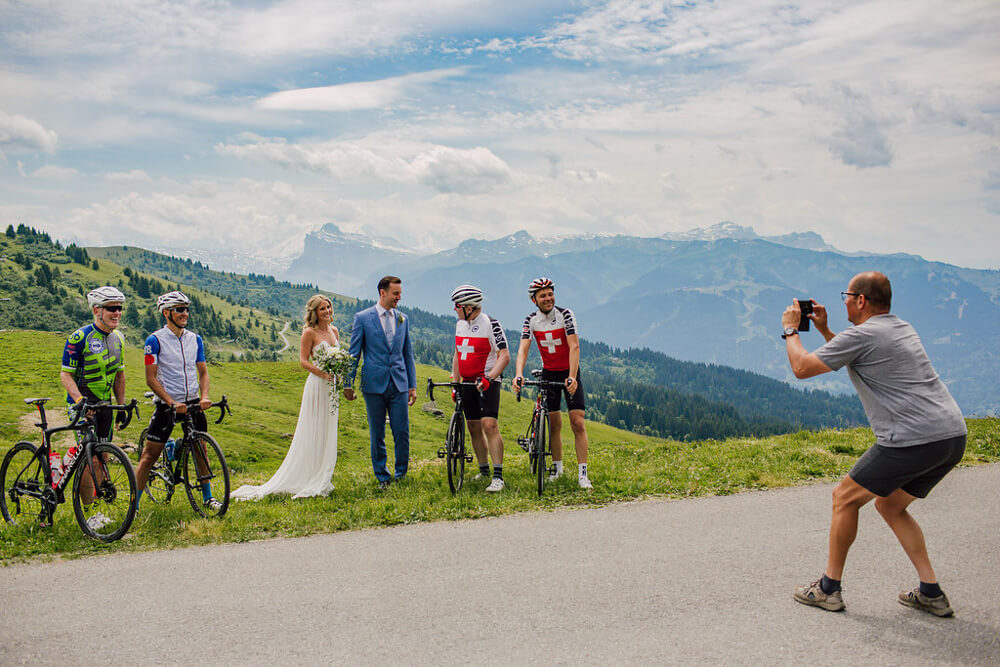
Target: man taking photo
<point x="919" y="432"/>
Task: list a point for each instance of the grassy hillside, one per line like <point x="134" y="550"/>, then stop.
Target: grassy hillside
<point x="44" y="286"/>
<point x="265" y="398"/>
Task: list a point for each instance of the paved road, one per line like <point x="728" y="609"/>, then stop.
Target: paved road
<point x="654" y="582"/>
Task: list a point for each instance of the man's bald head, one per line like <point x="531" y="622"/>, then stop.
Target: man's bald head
<point x="876" y="288"/>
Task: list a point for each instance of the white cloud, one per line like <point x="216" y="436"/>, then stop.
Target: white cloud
<point x="352" y="96"/>
<point x="21" y="134"/>
<point x="134" y="176"/>
<point x="442" y="168"/>
<point x="55" y="172"/>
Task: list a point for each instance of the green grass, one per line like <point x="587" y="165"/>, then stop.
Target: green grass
<point x="265" y="398"/>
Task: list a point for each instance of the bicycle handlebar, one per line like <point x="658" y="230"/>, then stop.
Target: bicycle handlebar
<point x="129" y="408"/>
<point x="454" y="385"/>
<point x="223" y="406"/>
<point x="543" y="384"/>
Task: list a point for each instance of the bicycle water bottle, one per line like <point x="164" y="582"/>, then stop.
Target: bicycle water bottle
<point x="70" y="457"/>
<point x="56" y="466"/>
<point x="169" y="447"/>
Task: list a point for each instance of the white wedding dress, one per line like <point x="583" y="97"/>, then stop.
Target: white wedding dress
<point x="312" y="456"/>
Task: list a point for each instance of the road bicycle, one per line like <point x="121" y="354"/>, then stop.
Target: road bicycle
<point x="30" y="496"/>
<point x="196" y="459"/>
<point x="454" y="451"/>
<point x="536" y="440"/>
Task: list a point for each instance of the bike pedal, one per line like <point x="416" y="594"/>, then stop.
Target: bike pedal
<point x="468" y="458"/>
<point x="523" y="443"/>
<point x="441" y="453"/>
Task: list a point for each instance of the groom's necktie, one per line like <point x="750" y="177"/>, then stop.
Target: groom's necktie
<point x="387" y="325"/>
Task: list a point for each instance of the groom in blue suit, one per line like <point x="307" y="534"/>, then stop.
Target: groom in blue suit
<point x="388" y="376"/>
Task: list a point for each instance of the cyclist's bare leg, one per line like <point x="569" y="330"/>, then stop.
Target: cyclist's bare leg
<point x="150" y="452"/>
<point x="478" y="441"/>
<point x="579" y="435"/>
<point x="555" y="435"/>
<point x="493" y="439"/>
<point x="87" y="492"/>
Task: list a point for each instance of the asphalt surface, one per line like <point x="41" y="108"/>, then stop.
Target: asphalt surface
<point x="654" y="582"/>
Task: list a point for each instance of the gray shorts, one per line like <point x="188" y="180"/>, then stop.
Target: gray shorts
<point x="915" y="470"/>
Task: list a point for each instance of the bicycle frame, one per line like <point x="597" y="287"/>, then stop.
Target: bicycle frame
<point x="89" y="438"/>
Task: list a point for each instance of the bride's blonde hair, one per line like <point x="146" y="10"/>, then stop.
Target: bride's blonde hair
<point x="312" y="305"/>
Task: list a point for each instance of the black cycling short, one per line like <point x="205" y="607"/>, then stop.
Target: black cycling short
<point x="915" y="470"/>
<point x="554" y="399"/>
<point x="161" y="424"/>
<point x="103" y="418"/>
<point x="476" y="407"/>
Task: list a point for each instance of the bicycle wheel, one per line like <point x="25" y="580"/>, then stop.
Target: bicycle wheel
<point x="112" y="510"/>
<point x="22" y="479"/>
<point x="541" y="451"/>
<point x="159" y="485"/>
<point x="530" y="437"/>
<point x="455" y="451"/>
<point x="205" y="475"/>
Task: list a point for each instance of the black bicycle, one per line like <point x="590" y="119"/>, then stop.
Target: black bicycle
<point x="30" y="495"/>
<point x="196" y="459"/>
<point x="536" y="439"/>
<point x="454" y="451"/>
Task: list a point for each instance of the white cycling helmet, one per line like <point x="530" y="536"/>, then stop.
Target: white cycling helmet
<point x="467" y="295"/>
<point x="102" y="296"/>
<point x="538" y="284"/>
<point x="171" y="299"/>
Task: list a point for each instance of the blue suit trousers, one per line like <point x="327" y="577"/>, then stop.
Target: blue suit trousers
<point x="395" y="403"/>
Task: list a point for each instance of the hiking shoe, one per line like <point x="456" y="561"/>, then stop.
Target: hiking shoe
<point x="938" y="606"/>
<point x="98" y="521"/>
<point x="496" y="485"/>
<point x="213" y="505"/>
<point x="813" y="595"/>
<point x="585" y="483"/>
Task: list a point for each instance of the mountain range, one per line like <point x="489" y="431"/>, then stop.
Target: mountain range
<point x="713" y="295"/>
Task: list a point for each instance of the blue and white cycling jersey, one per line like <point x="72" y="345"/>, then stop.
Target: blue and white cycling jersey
<point x="176" y="359"/>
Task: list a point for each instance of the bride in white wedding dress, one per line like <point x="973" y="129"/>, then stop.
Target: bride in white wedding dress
<point x="308" y="465"/>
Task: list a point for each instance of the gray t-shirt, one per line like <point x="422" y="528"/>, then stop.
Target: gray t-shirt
<point x="905" y="400"/>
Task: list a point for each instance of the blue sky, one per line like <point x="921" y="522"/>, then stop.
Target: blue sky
<point x="204" y="124"/>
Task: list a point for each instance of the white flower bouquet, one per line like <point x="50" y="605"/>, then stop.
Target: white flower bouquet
<point x="337" y="362"/>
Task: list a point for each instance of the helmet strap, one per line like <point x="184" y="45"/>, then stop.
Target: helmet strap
<point x="170" y="318"/>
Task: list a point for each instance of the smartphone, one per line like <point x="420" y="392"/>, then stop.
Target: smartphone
<point x="806" y="305"/>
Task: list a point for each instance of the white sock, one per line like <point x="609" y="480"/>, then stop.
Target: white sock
<point x="583" y="470"/>
<point x="558" y="467"/>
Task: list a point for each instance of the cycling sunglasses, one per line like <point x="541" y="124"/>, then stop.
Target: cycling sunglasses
<point x="112" y="309"/>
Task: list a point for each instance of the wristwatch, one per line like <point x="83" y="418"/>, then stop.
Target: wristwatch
<point x="789" y="331"/>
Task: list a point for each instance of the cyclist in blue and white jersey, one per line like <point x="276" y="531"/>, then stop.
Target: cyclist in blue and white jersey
<point x="93" y="368"/>
<point x="177" y="373"/>
<point x="554" y="330"/>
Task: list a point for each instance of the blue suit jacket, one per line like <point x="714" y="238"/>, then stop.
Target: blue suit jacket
<point x="383" y="361"/>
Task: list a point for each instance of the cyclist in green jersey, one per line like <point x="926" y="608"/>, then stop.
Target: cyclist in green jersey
<point x="93" y="367"/>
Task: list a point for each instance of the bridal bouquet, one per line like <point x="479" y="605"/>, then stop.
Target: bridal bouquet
<point x="337" y="362"/>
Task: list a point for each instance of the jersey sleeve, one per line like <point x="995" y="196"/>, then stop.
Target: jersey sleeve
<point x="201" y="351"/>
<point x="526" y="329"/>
<point x="570" y="321"/>
<point x="120" y="366"/>
<point x="151" y="350"/>
<point x="499" y="338"/>
<point x="72" y="352"/>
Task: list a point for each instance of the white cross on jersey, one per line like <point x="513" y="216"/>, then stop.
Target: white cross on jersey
<point x="464" y="349"/>
<point x="550" y="343"/>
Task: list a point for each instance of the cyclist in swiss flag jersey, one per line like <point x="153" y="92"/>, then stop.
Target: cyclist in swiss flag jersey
<point x="481" y="354"/>
<point x="554" y="331"/>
